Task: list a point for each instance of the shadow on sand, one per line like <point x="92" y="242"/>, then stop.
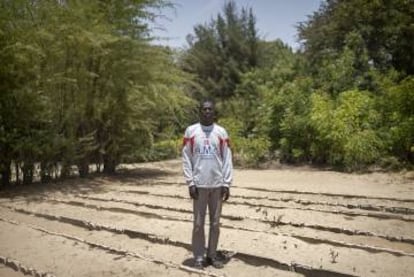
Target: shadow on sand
<point x="95" y="183"/>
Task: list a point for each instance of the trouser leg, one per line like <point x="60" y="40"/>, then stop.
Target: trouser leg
<point x="199" y="210"/>
<point x="214" y="208"/>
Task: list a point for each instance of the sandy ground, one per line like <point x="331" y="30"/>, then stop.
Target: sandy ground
<point x="280" y="222"/>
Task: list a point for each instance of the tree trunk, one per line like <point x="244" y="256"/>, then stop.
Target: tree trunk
<point x="16" y="169"/>
<point x="83" y="169"/>
<point x="109" y="165"/>
<point x="45" y="173"/>
<point x="5" y="168"/>
<point x="65" y="171"/>
<point x="27" y="173"/>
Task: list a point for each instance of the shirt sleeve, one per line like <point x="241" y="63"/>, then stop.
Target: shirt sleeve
<point x="227" y="162"/>
<point x="187" y="154"/>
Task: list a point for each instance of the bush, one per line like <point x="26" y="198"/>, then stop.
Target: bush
<point x="166" y="149"/>
<point x="250" y="152"/>
<point x="347" y="129"/>
<point x="361" y="149"/>
<point x="398" y="109"/>
<point x="247" y="151"/>
<point x="390" y="163"/>
<point x="161" y="150"/>
<point x="291" y="132"/>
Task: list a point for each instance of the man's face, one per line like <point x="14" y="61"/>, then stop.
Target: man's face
<point x="207" y="113"/>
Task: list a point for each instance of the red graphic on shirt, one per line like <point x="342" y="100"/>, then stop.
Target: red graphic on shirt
<point x="191" y="141"/>
<point x="223" y="142"/>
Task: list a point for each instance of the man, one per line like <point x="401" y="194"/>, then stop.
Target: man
<point x="208" y="170"/>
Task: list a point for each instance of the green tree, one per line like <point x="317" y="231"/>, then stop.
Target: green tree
<point x="81" y="85"/>
<point x="346" y="129"/>
<point x="257" y="99"/>
<point x="385" y="27"/>
<point x="397" y="108"/>
<point x="221" y="51"/>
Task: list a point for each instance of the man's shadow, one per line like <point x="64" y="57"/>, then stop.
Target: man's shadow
<point x="222" y="255"/>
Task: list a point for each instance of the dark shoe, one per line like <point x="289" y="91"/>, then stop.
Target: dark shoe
<point x="215" y="262"/>
<point x="198" y="265"/>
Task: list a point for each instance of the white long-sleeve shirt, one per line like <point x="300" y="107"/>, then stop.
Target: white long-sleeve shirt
<point x="207" y="159"/>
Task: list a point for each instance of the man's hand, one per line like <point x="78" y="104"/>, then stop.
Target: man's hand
<point x="225" y="193"/>
<point x="193" y="192"/>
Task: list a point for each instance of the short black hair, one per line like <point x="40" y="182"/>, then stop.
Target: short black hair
<point x="205" y="100"/>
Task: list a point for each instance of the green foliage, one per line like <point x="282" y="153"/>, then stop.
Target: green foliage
<point x="385" y="26"/>
<point x="358" y="57"/>
<point x="397" y="106"/>
<point x="345" y="70"/>
<point x="362" y="148"/>
<point x="337" y="101"/>
<point x="247" y="151"/>
<point x="221" y="51"/>
<point x="346" y="129"/>
<point x="290" y="130"/>
<point x="252" y="103"/>
<point x="82" y="84"/>
<point x="161" y="150"/>
<point x="250" y="152"/>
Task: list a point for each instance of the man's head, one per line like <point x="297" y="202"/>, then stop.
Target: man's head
<point x="207" y="112"/>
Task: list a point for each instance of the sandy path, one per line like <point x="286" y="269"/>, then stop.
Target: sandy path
<point x="260" y="244"/>
<point x="318" y="223"/>
<point x="65" y="257"/>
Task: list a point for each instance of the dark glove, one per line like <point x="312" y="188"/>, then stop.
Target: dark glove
<point x="193" y="192"/>
<point x="225" y="193"/>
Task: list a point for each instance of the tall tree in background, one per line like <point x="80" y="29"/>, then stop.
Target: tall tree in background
<point x="385" y="27"/>
<point x="81" y="84"/>
<point x="360" y="56"/>
<point x="222" y="50"/>
<point x="22" y="110"/>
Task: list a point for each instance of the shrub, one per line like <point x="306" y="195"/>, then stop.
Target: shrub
<point x="161" y="150"/>
<point x="166" y="149"/>
<point x="247" y="151"/>
<point x="250" y="152"/>
<point x="398" y="109"/>
<point x="291" y="131"/>
<point x="347" y="129"/>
